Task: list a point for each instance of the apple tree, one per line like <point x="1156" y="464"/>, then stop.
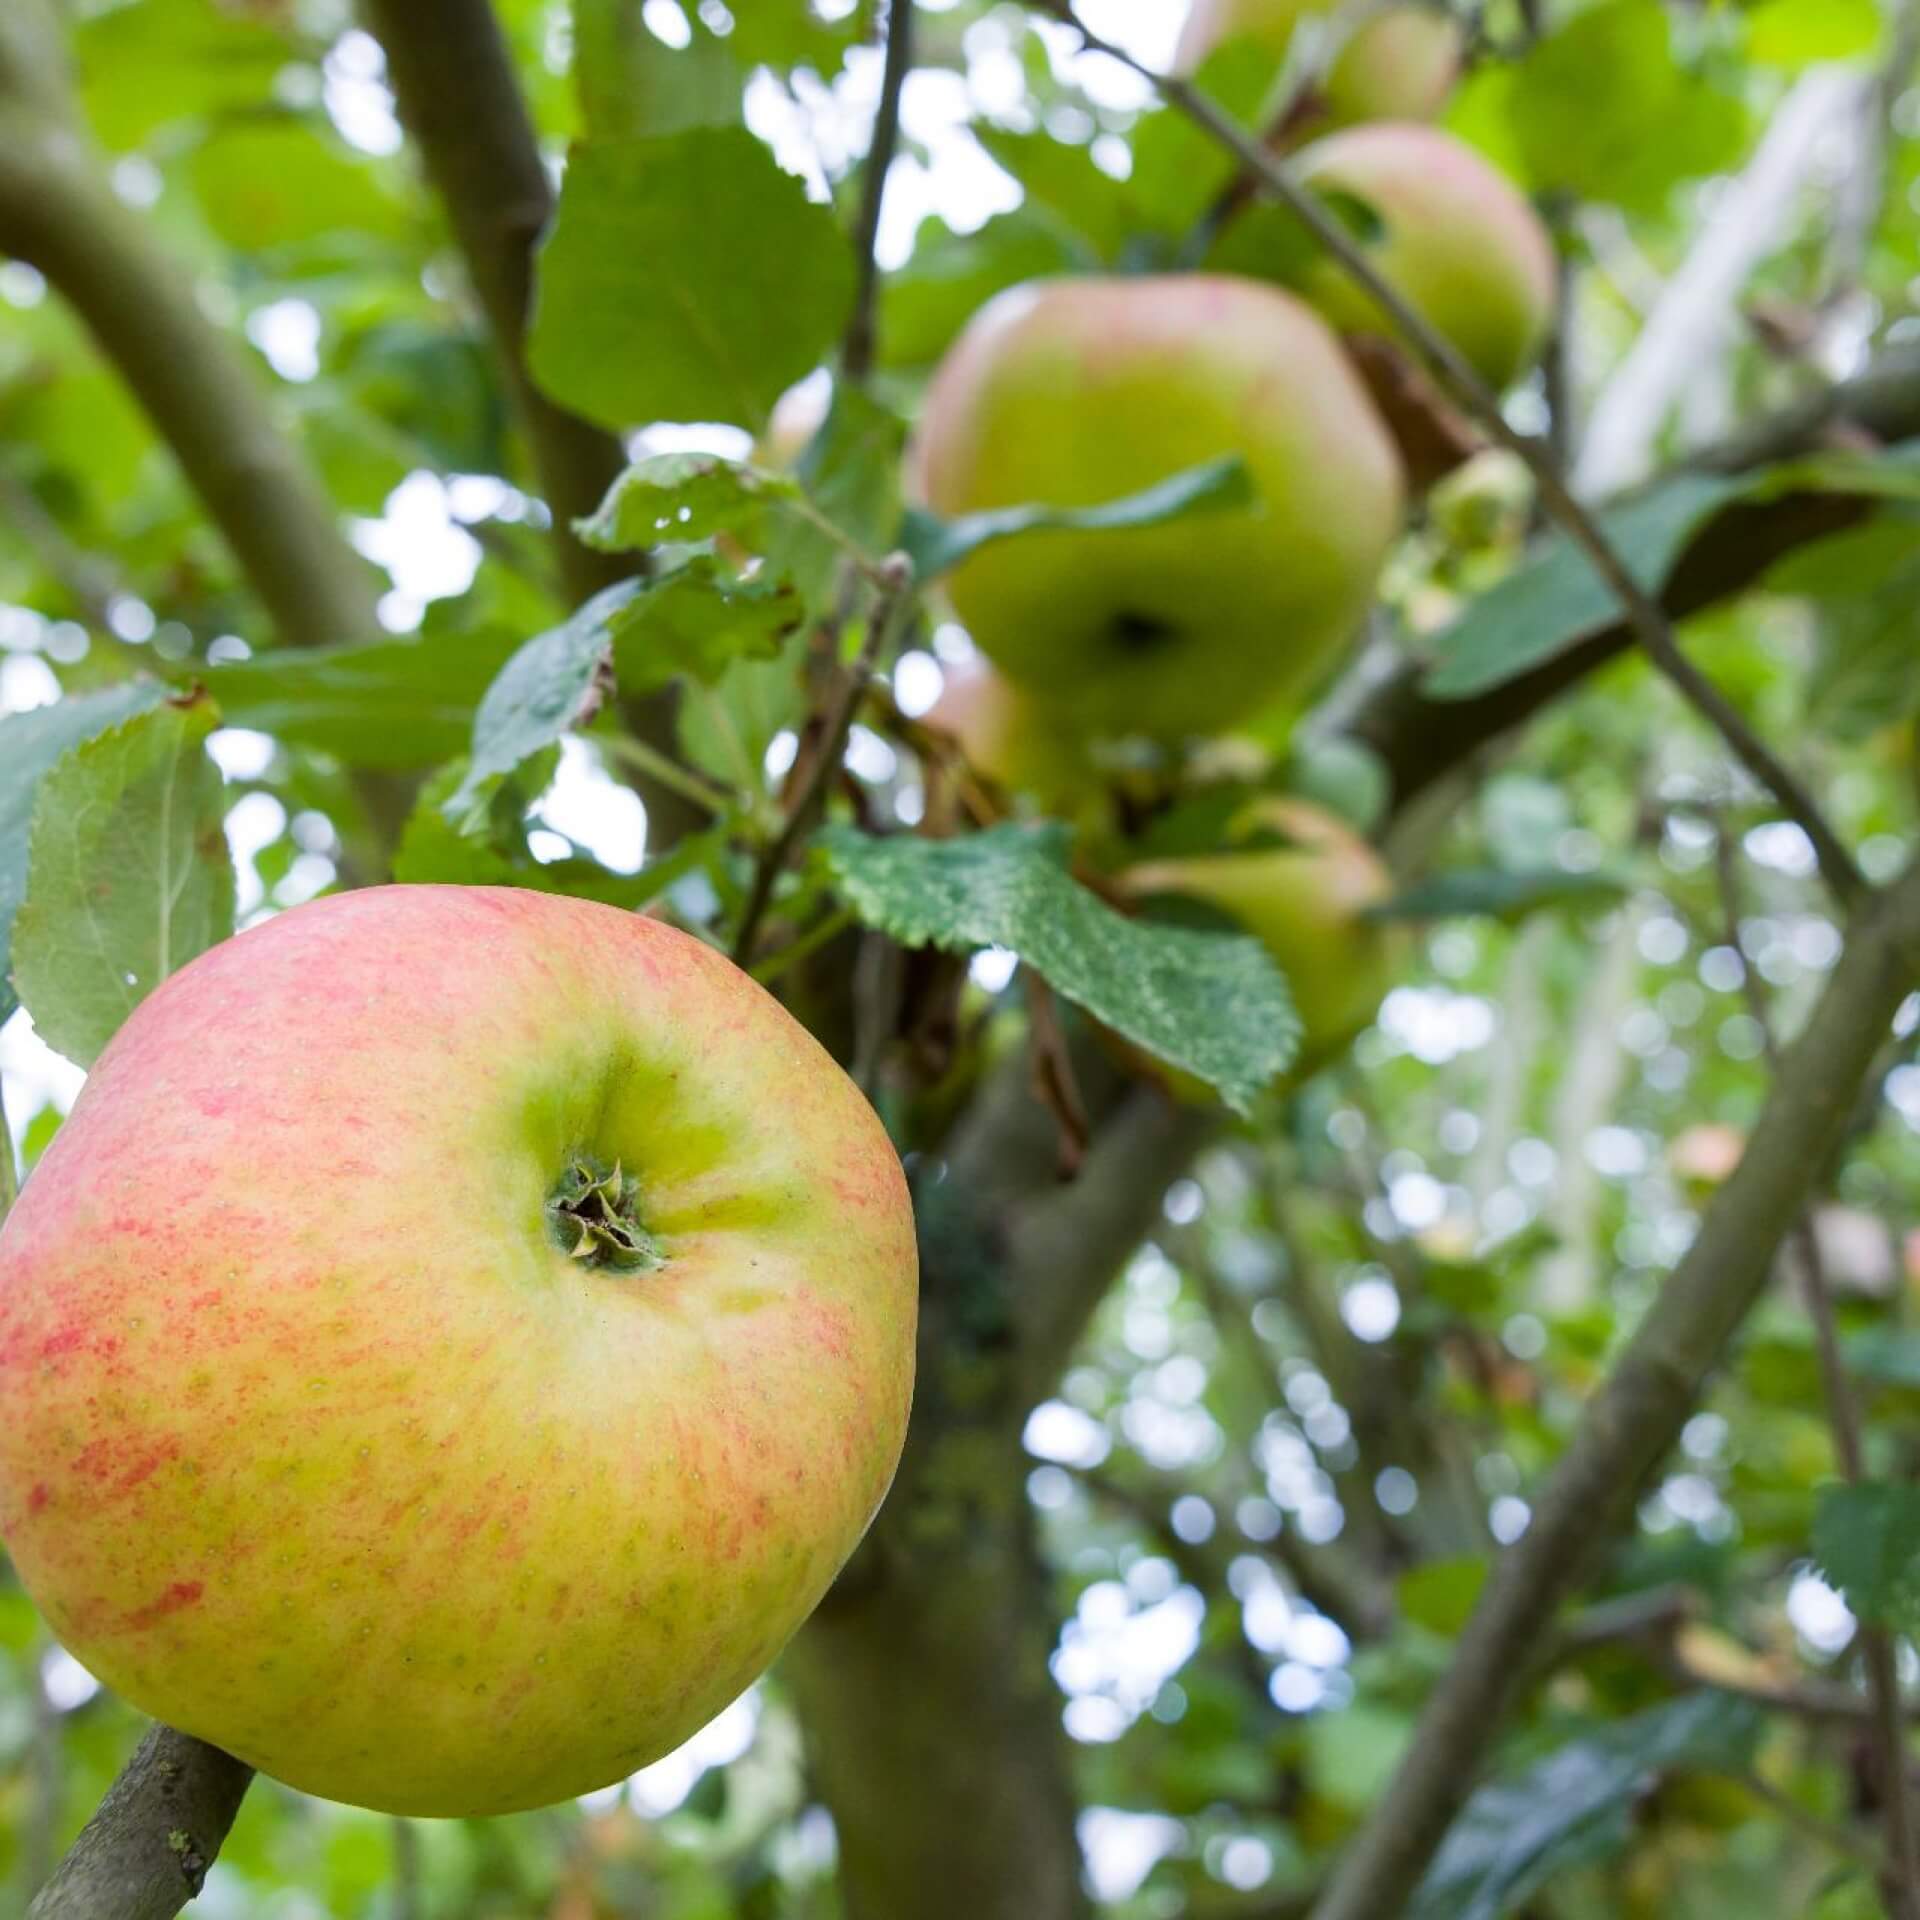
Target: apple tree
<point x="1287" y="630"/>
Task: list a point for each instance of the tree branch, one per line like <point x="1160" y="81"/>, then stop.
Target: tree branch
<point x="1422" y="740"/>
<point x="146" y="1852"/>
<point x="59" y="213"/>
<point x="1644" y="616"/>
<point x="856" y="357"/>
<point x="1634" y="1418"/>
<point x="892" y="603"/>
<point x="460" y="101"/>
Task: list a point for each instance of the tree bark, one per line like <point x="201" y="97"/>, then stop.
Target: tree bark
<point x="146" y="1851"/>
<point x="58" y="213"/>
<point x="460" y="101"/>
<point x="932" y="1723"/>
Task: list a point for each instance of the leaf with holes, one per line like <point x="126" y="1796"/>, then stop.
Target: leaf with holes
<point x="686" y="497"/>
<point x="1212" y="1004"/>
<point x="128" y="875"/>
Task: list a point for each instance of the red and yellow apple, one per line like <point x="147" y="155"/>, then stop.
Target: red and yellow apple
<point x="1457" y="240"/>
<point x="1075" y="392"/>
<point x="452" y="1345"/>
<point x="1398" y="63"/>
<point x="1302" y="882"/>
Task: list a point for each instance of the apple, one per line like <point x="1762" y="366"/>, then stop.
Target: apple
<point x="1398" y="64"/>
<point x="451" y="1346"/>
<point x="1304" y="894"/>
<point x="1004" y="733"/>
<point x="1073" y="392"/>
<point x="1458" y="241"/>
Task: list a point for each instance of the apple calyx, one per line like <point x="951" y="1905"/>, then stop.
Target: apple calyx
<point x="594" y="1215"/>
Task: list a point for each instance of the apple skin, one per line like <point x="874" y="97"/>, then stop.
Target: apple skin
<point x="1461" y="244"/>
<point x="1076" y="391"/>
<point x="1004" y="734"/>
<point x="1305" y="903"/>
<point x="317" y="1445"/>
<point x="1399" y="65"/>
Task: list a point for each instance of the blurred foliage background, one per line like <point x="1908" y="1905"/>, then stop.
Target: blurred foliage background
<point x="1317" y="1401"/>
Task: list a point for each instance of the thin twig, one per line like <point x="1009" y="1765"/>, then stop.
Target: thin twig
<point x="856" y="358"/>
<point x="649" y="760"/>
<point x="893" y="596"/>
<point x="828" y="927"/>
<point x="1450" y="367"/>
<point x="406" y="1870"/>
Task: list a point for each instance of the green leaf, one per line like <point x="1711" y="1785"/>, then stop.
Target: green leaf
<point x="686" y="497"/>
<point x="851" y="472"/>
<point x="554" y="683"/>
<point x="128" y="876"/>
<point x="936" y="545"/>
<point x="1885" y="1356"/>
<point x="1574" y="1807"/>
<point x="1797" y="33"/>
<point x="164" y="60"/>
<point x="1063" y="180"/>
<point x="276" y="182"/>
<point x="1555" y="596"/>
<point x="1866" y="1540"/>
<point x="396" y="703"/>
<point x="686" y="278"/>
<point x="950" y="276"/>
<point x="1211" y="1004"/>
<point x="30" y="743"/>
<point x="726" y="729"/>
<point x="632" y="85"/>
<point x="696" y="620"/>
<point x="1578" y="107"/>
<point x="1497" y="893"/>
<point x="1441" y="1595"/>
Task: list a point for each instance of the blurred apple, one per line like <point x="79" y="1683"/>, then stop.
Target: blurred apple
<point x="1705" y="1154"/>
<point x="1302" y="882"/>
<point x="452" y="1345"/>
<point x="1399" y="63"/>
<point x="1458" y="241"/>
<point x="1077" y="391"/>
<point x="1005" y="734"/>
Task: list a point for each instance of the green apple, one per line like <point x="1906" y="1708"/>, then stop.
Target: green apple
<point x="1398" y="63"/>
<point x="1302" y="882"/>
<point x="1076" y="391"/>
<point x="1004" y="733"/>
<point x="1457" y="240"/>
<point x="451" y="1346"/>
